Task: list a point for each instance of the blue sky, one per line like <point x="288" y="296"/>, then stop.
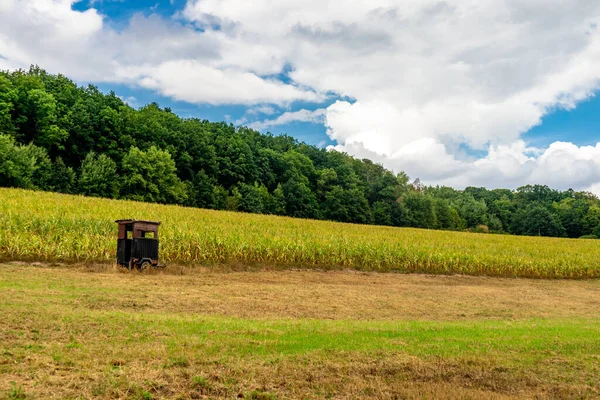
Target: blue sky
<point x="119" y="11"/>
<point x="580" y="125"/>
<point x="384" y="79"/>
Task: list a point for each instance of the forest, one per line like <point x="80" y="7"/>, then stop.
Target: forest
<point x="58" y="136"/>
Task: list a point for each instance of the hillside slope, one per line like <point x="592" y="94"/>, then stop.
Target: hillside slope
<point x="40" y="226"/>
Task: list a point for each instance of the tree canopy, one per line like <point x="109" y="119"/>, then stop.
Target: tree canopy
<point x="57" y="136"/>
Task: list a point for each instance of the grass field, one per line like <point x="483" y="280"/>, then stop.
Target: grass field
<point x="103" y="333"/>
<point x="263" y="307"/>
<point x="50" y="227"/>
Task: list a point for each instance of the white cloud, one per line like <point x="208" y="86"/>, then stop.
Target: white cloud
<point x="316" y="116"/>
<point x="165" y="55"/>
<point x="195" y="82"/>
<point x="425" y="76"/>
<point x="52" y="34"/>
<point x="428" y="75"/>
<point x="562" y="165"/>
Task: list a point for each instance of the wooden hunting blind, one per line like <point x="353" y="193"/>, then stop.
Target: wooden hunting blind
<point x="137" y="244"/>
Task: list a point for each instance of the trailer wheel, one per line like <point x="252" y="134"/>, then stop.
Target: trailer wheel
<point x="144" y="266"/>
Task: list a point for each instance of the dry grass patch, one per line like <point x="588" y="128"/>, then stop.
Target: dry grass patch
<point x="69" y="333"/>
<point x="309" y="294"/>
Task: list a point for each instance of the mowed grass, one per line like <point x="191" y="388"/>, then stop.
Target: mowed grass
<point x="76" y="333"/>
<point x="40" y="226"/>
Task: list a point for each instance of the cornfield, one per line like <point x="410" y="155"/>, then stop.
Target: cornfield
<point x="50" y="227"/>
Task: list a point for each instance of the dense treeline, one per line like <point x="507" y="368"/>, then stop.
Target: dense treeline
<point x="57" y="136"/>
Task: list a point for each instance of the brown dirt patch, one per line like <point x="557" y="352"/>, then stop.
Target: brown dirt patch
<point x="321" y="295"/>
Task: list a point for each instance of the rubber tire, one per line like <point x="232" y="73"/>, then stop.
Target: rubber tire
<point x="145" y="265"/>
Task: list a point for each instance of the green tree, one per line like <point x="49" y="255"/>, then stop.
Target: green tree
<point x="494" y="223"/>
<point x="447" y="217"/>
<point x="8" y="96"/>
<point x="420" y="210"/>
<point x="537" y="220"/>
<point x="299" y="164"/>
<point x="232" y="202"/>
<point x="392" y="213"/>
<point x="253" y="198"/>
<point x="346" y="206"/>
<point x="572" y="213"/>
<point x="151" y="176"/>
<point x="99" y="176"/>
<point x="382" y="213"/>
<point x="235" y="161"/>
<point x="592" y="220"/>
<point x="472" y="212"/>
<point x="62" y="178"/>
<point x="43" y="110"/>
<point x="202" y="191"/>
<point x="42" y="174"/>
<point x="325" y="182"/>
<point x="276" y="203"/>
<point x="540" y="194"/>
<point x="17" y="165"/>
<point x="300" y="201"/>
<point x="56" y="124"/>
<point x="504" y="210"/>
<point x="333" y="207"/>
<point x="220" y="195"/>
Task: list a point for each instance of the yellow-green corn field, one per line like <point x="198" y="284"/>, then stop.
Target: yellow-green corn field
<point x="39" y="226"/>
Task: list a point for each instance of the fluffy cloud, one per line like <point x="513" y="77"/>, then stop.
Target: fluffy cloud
<point x="428" y="76"/>
<point x="479" y="73"/>
<point x="50" y="33"/>
<point x="425" y="76"/>
<point x="196" y="82"/>
<point x="168" y="56"/>
<point x="562" y="165"/>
